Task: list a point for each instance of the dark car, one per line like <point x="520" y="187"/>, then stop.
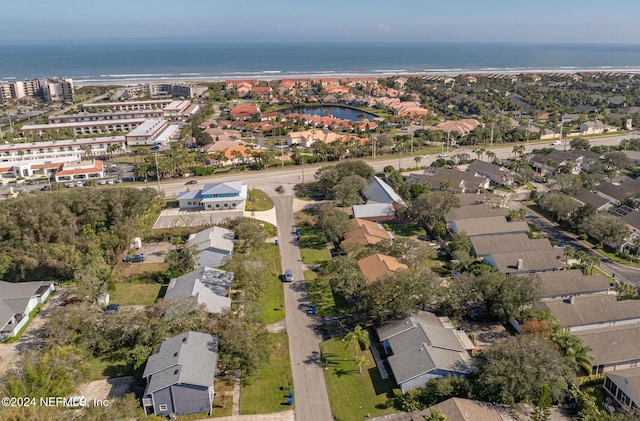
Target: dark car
<point x="112" y="308"/>
<point x="136" y="258"/>
<point x="71" y="301"/>
<point x="45" y="188"/>
<point x="191" y="182"/>
<point x="479" y="312"/>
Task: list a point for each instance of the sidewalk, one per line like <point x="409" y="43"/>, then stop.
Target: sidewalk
<point x="277" y="416"/>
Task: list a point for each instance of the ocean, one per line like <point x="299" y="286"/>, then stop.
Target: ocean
<point x="120" y="63"/>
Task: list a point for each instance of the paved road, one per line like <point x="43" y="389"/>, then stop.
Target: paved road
<point x="311" y="398"/>
<point x="552" y="230"/>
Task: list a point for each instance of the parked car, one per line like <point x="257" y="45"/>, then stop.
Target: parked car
<point x="112" y="308"/>
<point x="71" y="300"/>
<point x="191" y="182"/>
<point x="136" y="258"/>
<point x="478" y="312"/>
<point x="288" y="275"/>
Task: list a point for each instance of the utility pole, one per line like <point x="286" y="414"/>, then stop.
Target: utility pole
<point x="491" y="144"/>
<point x="373" y="143"/>
<point x="155" y="154"/>
<point x="302" y="162"/>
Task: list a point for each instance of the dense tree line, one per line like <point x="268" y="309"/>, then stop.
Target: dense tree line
<point x="53" y="236"/>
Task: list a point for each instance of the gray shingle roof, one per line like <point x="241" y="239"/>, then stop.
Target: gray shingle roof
<point x="504" y="243"/>
<point x="190" y="358"/>
<point x="589" y="310"/>
<point x="612" y="344"/>
<point x="588" y="197"/>
<point x="15" y="296"/>
<point x="423" y="347"/>
<point x="532" y="261"/>
<point x="571" y="282"/>
<point x="488" y="226"/>
<point x="475" y="211"/>
<point x="209" y="286"/>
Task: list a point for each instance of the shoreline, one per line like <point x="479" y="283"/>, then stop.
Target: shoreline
<point x="131" y="80"/>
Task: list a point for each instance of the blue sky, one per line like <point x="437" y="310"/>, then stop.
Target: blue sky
<point x="559" y="21"/>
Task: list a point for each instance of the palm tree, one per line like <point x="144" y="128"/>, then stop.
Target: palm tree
<point x="361" y="361"/>
<point x="491" y="156"/>
<point x="518" y="151"/>
<point x="436" y="415"/>
<point x="569" y="253"/>
<point x="417" y="159"/>
<point x="572" y="347"/>
<point x="358" y="338"/>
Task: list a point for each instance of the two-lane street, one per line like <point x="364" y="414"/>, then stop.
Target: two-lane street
<point x="310" y="392"/>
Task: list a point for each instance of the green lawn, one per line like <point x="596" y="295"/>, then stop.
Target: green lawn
<point x="406" y="230"/>
<point x="353" y="396"/>
<point x="321" y="295"/>
<point x="127" y="294"/>
<point x="272" y="299"/>
<point x="267" y="390"/>
<point x="258" y="200"/>
<point x="105" y="367"/>
<point x="313" y="247"/>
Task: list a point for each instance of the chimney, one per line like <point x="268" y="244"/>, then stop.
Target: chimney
<point x="520" y="264"/>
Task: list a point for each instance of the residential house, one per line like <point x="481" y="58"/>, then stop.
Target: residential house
<point x="420" y="348"/>
<point x="244" y="111"/>
<point x="587" y="197"/>
<point x="596" y="127"/>
<point x="633" y="156"/>
<point x="612" y="192"/>
<point x="16" y="302"/>
<point x="612" y="348"/>
<point x="377" y="265"/>
<point x="624" y="387"/>
<point x="475" y="211"/>
<point x="381" y="202"/>
<point x="454" y="409"/>
<point x="487" y="226"/>
<point x="594" y="311"/>
<point x="309" y="137"/>
<point x="571" y="283"/>
<point x="523" y="262"/>
<point x="215" y="197"/>
<point x="366" y="233"/>
<point x="485" y="245"/>
<point x="549" y="164"/>
<point x="180" y="376"/>
<point x="496" y="173"/>
<point x="450" y="179"/>
<point x="462" y="127"/>
<point x="214" y="246"/>
<point x="218" y="134"/>
<point x="208" y="286"/>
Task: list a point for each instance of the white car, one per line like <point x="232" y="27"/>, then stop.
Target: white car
<point x="555" y="143"/>
<point x="424" y="156"/>
<point x="443" y="155"/>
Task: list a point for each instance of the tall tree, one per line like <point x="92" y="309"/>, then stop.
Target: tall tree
<point x="357" y="338"/>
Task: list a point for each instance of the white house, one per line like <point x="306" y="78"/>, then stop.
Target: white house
<point x="16" y="302"/>
<point x="223" y="196"/>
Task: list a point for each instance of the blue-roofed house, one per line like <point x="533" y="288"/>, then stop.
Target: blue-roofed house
<point x="208" y="286"/>
<point x="180" y="376"/>
<point x="223" y="196"/>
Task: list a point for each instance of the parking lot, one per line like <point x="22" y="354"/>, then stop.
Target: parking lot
<point x="170" y="218"/>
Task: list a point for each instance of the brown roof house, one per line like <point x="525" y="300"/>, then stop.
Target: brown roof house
<point x="376" y="266"/>
<point x="366" y="233"/>
<point x="454" y="409"/>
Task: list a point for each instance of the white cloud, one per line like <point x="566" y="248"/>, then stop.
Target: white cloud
<point x="384" y="28"/>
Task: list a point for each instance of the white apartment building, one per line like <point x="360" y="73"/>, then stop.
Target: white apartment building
<point x="87" y="127"/>
<point x="52" y="90"/>
<point x="121" y="115"/>
<point x="42" y="158"/>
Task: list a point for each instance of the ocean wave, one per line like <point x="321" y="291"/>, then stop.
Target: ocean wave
<point x="389" y="71"/>
<point x="272" y="71"/>
<point x="136" y="75"/>
<point x="190" y="74"/>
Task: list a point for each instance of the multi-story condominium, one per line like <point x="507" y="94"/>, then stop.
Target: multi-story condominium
<point x="157" y="104"/>
<point x="120" y="115"/>
<point x="42" y="158"/>
<point x="52" y="90"/>
<point x="87" y="127"/>
<point x="157" y="90"/>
